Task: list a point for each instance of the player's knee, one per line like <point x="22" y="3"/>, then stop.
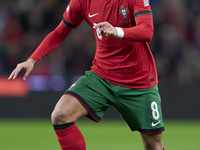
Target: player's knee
<point x="57" y="117"/>
<point x="153" y="142"/>
<point x="156" y="145"/>
<point x="60" y="117"/>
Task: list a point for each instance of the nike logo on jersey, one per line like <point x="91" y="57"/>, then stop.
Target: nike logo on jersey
<point x="155" y="124"/>
<point x="90" y="16"/>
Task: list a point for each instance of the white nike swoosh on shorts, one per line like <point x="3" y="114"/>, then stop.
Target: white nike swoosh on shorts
<point x="155" y="124"/>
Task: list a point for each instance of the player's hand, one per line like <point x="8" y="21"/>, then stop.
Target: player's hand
<point x="106" y="28"/>
<point x="27" y="66"/>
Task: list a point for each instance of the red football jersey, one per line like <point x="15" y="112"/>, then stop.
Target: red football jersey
<point x="124" y="62"/>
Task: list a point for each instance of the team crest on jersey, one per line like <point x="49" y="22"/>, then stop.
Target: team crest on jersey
<point x="146" y="3"/>
<point x="124" y="12"/>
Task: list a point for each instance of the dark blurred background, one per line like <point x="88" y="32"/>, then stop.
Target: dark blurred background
<point x="25" y="23"/>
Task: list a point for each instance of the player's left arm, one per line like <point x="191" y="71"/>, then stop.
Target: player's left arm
<point x="142" y="32"/>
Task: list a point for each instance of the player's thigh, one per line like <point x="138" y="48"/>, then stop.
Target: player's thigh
<point x="92" y="92"/>
<point x="141" y="109"/>
<point x="68" y="109"/>
<point x="152" y="141"/>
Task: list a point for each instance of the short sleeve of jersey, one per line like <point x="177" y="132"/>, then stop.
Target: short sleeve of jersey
<point x="141" y="7"/>
<point x="72" y="16"/>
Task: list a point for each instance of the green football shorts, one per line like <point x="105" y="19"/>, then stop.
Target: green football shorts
<point x="140" y="108"/>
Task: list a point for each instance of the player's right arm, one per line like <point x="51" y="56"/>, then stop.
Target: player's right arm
<point x="72" y="18"/>
<point x="50" y="42"/>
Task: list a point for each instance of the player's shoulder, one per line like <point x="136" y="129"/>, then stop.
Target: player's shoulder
<point x="83" y="1"/>
<point x="144" y="2"/>
<point x="76" y="4"/>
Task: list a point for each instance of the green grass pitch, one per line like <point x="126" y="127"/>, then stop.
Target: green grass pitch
<point x="36" y="134"/>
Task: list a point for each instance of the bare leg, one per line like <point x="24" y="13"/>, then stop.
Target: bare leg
<point x="152" y="141"/>
<point x="68" y="109"/>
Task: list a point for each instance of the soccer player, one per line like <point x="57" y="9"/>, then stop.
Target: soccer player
<point x="123" y="73"/>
